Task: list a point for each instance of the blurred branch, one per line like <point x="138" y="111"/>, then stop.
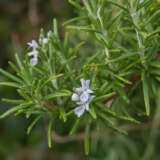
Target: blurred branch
<point x="80" y="136"/>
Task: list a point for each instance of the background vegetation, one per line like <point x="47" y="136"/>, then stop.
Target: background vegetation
<point x="20" y="22"/>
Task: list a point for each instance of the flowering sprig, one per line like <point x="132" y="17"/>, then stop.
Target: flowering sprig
<point x="82" y="97"/>
<point x="44" y="86"/>
<point x="34" y="45"/>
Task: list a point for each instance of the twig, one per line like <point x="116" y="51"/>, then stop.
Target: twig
<point x="80" y="136"/>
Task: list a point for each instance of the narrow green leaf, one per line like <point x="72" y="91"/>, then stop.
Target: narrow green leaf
<point x="12" y="110"/>
<point x="125" y="56"/>
<point x="103" y="97"/>
<point x="104" y="116"/>
<point x="146" y="93"/>
<point x="66" y="43"/>
<point x="57" y="94"/>
<point x="114" y="18"/>
<point x="50" y="127"/>
<point x="85" y="28"/>
<point x="76" y="48"/>
<point x="106" y="109"/>
<point x="123" y="94"/>
<point x="76" y="5"/>
<point x="122" y="79"/>
<point x="153" y="33"/>
<point x="10" y="76"/>
<point x="129" y="119"/>
<point x="62" y="113"/>
<point x="55" y="28"/>
<point x="92" y="112"/>
<point x="13" y="101"/>
<point x="155" y="64"/>
<point x="73" y="20"/>
<point x="19" y="62"/>
<point x="69" y="113"/>
<point x="152" y="17"/>
<point x="66" y="63"/>
<point x="118" y="5"/>
<point x="33" y="124"/>
<point x="109" y="124"/>
<point x="14" y="67"/>
<point x="50" y="79"/>
<point x="10" y="84"/>
<point x="76" y="125"/>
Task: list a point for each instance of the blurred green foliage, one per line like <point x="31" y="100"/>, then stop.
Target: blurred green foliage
<point x="17" y="27"/>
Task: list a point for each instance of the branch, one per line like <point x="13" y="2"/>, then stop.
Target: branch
<point x="80" y="136"/>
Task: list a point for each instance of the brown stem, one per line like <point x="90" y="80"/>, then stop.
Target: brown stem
<point x="49" y="106"/>
<point x="80" y="136"/>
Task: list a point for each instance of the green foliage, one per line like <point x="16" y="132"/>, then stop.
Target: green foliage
<point x="123" y="57"/>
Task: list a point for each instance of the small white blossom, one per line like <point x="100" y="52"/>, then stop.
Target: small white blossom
<point x="45" y="40"/>
<point x="33" y="53"/>
<point x="82" y="97"/>
<point x="49" y="34"/>
<point x="33" y="44"/>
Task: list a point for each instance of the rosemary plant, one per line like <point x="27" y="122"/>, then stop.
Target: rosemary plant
<point x="96" y="86"/>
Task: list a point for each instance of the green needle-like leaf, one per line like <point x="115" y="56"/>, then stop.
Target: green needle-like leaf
<point x="146" y="93"/>
<point x="50" y="127"/>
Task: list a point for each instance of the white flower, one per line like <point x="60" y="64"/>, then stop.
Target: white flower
<point x="82" y="97"/>
<point x="33" y="44"/>
<point x="33" y="53"/>
<point x="49" y="34"/>
<point x="45" y="40"/>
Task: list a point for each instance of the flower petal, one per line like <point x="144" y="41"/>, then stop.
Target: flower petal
<point x="34" y="61"/>
<point x="83" y="83"/>
<point x="90" y="98"/>
<point x="87" y="106"/>
<point x="79" y="110"/>
<point x="84" y="97"/>
<point x="79" y="90"/>
<point x="87" y="83"/>
<point x="89" y="91"/>
<point x="75" y="97"/>
<point x="45" y="40"/>
<point x="33" y="44"/>
<point x="33" y="53"/>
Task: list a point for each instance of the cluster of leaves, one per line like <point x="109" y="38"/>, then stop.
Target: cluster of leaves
<point x="125" y="40"/>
